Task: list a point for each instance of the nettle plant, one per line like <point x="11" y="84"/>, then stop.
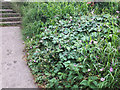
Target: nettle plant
<point x="77" y="52"/>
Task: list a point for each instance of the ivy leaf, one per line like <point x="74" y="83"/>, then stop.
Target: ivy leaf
<point x="84" y="82"/>
<point x="93" y="77"/>
<point x="65" y="32"/>
<point x="80" y="76"/>
<point x="95" y="83"/>
<point x="81" y="66"/>
<point x="106" y="15"/>
<point x="68" y="48"/>
<point x="66" y="63"/>
<point x="75" y="86"/>
<point x="84" y="70"/>
<point x="99" y="18"/>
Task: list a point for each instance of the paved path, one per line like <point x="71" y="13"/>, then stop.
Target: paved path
<point x="15" y="72"/>
<point x="0" y="59"/>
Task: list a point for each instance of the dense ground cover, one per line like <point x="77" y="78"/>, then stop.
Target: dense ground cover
<point x="71" y="45"/>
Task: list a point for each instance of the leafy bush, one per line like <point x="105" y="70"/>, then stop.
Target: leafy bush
<point x="43" y="13"/>
<point x="68" y="47"/>
<point x="76" y="52"/>
<point x="105" y="7"/>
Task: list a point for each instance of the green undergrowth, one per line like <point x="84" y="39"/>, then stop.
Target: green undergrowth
<point x="77" y="52"/>
<point x="41" y="14"/>
<point x="73" y="45"/>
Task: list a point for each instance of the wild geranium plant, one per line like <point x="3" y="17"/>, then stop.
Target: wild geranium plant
<point x="77" y="52"/>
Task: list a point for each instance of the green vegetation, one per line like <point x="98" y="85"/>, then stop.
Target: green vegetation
<point x="73" y="45"/>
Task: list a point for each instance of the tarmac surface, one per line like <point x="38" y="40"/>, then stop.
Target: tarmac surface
<point x="14" y="71"/>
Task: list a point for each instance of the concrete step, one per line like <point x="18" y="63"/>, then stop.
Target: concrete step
<point x="12" y="23"/>
<point x="5" y="4"/>
<point x="3" y="19"/>
<point x="9" y="14"/>
<point x="6" y="10"/>
<point x="6" y="7"/>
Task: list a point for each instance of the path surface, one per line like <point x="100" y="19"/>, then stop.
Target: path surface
<point x="15" y="72"/>
<point x="0" y="60"/>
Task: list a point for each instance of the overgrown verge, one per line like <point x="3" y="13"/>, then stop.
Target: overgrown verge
<point x="38" y="15"/>
<point x="69" y="47"/>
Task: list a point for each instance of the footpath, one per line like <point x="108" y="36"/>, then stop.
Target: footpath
<point x="14" y="72"/>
